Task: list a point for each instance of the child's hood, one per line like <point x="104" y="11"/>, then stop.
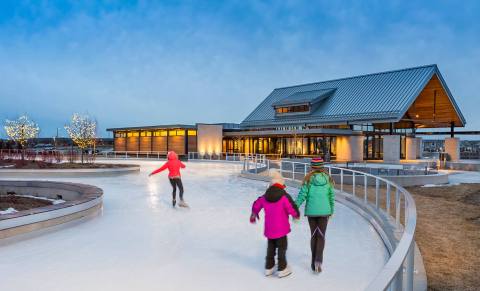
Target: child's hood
<point x="320" y="179"/>
<point x="274" y="193"/>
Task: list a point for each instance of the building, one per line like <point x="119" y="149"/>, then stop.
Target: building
<point x="373" y="116"/>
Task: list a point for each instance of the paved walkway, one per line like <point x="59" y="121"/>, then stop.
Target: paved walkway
<point x="140" y="243"/>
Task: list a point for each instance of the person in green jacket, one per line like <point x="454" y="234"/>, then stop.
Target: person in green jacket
<point x="318" y="193"/>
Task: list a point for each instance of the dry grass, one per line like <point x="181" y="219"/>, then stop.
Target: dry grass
<point x="448" y="232"/>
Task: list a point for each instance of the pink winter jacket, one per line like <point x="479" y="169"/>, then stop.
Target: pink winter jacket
<point x="278" y="205"/>
<point x="173" y="165"/>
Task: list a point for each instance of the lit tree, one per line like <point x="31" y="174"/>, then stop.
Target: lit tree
<point x="21" y="130"/>
<point x="82" y="130"/>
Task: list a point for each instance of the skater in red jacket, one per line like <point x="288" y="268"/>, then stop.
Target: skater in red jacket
<point x="173" y="165"/>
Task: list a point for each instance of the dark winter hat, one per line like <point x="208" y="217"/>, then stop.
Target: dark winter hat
<point x="317" y="163"/>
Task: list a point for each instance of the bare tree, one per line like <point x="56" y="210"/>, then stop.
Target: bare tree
<point x="82" y="130"/>
<point x="21" y="130"/>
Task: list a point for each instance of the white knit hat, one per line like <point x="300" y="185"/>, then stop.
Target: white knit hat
<point x="276" y="176"/>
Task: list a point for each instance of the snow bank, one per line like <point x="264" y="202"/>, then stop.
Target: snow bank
<point x="8" y="211"/>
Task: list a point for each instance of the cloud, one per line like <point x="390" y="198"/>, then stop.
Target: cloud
<point x="149" y="64"/>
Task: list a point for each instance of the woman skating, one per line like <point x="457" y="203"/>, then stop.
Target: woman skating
<point x="317" y="190"/>
<point x="173" y="165"/>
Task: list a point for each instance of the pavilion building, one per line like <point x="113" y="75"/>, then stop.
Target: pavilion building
<point x="367" y="117"/>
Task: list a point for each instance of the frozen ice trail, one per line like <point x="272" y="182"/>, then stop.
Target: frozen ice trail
<point x="139" y="242"/>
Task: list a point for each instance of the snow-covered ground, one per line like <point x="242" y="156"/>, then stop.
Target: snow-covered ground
<point x="9" y="210"/>
<point x="139" y="242"/>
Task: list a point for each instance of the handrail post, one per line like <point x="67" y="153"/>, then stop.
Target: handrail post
<point x="397" y="206"/>
<point x="387" y="200"/>
<point x="341" y="180"/>
<point x="365" y="183"/>
<point x="293" y="170"/>
<point x="377" y="188"/>
<point x="409" y="265"/>
<point x="353" y="183"/>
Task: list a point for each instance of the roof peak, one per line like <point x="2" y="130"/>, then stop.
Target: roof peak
<point x="358" y="76"/>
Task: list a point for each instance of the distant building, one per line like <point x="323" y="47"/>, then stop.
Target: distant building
<point x="365" y="117"/>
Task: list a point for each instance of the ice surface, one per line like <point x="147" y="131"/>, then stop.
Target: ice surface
<point x="457" y="177"/>
<point x="139" y="242"/>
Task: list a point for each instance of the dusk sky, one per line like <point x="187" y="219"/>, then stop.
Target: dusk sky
<point x="130" y="63"/>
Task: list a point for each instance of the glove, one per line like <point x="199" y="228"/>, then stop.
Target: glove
<point x="253" y="218"/>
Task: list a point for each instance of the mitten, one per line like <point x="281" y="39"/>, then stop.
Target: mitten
<point x="253" y="218"/>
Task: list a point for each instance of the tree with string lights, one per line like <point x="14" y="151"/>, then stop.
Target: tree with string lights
<point x="82" y="130"/>
<point x="21" y="130"/>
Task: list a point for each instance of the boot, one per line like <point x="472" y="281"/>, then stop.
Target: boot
<point x="174" y="202"/>
<point x="269" y="272"/>
<point x="182" y="203"/>
<point x="284" y="273"/>
<point x="317" y="267"/>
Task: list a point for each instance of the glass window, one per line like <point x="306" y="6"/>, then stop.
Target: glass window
<point x="180" y="132"/>
<point x="192" y="132"/>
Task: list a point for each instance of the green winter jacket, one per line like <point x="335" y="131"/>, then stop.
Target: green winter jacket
<point x="319" y="194"/>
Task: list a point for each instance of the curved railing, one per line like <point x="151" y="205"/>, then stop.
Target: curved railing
<point x="390" y="208"/>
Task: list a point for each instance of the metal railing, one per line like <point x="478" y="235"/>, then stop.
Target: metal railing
<point x="133" y="154"/>
<point x="389" y="204"/>
<point x="232" y="157"/>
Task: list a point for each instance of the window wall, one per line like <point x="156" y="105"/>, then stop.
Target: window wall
<point x="294" y="146"/>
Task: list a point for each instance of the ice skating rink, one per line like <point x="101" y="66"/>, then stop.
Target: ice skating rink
<point x="139" y="242"/>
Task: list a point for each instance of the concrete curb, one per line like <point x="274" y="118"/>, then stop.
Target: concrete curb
<point x="81" y="200"/>
<point x="71" y="172"/>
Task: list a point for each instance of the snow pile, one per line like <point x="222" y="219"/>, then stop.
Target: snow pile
<point x="8" y="211"/>
<point x="439" y="185"/>
<point x="54" y="201"/>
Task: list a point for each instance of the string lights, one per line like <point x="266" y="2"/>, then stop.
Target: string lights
<point x="21" y="130"/>
<point x="82" y="130"/>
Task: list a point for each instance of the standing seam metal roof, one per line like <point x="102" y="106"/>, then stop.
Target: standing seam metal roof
<point x="374" y="97"/>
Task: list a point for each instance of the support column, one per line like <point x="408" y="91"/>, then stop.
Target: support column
<point x="209" y="138"/>
<point x="391" y="149"/>
<point x="411" y="148"/>
<point x="452" y="148"/>
<point x="350" y="148"/>
<point x="419" y="147"/>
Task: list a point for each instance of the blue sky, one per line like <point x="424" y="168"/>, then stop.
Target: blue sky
<point x="133" y="63"/>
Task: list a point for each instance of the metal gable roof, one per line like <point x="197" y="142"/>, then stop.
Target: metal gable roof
<point x="379" y="96"/>
<point x="305" y="97"/>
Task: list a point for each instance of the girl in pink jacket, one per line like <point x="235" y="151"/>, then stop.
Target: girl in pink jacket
<point x="173" y="165"/>
<point x="277" y="205"/>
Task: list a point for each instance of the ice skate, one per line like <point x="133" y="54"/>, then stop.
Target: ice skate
<point x="183" y="204"/>
<point x="284" y="273"/>
<point x="317" y="267"/>
<point x="174" y="202"/>
<point x="269" y="272"/>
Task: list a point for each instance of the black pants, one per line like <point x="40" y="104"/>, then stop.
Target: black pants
<point x="176" y="182"/>
<point x="318" y="227"/>
<point x="279" y="244"/>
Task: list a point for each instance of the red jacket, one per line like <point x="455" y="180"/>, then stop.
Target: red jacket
<point x="173" y="165"/>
